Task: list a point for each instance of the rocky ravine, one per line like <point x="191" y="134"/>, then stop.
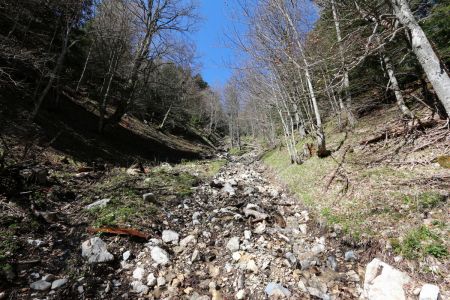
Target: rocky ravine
<point x="238" y="237"/>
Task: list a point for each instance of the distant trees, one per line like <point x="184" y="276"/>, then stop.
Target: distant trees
<point x="123" y="56"/>
<point x="155" y="21"/>
<point x="303" y="73"/>
<point x="232" y="105"/>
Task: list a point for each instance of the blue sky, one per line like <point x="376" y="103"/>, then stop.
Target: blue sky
<point x="210" y="42"/>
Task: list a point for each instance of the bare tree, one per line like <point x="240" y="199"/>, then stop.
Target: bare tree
<point x="71" y="12"/>
<point x="154" y="21"/>
<point x="232" y="101"/>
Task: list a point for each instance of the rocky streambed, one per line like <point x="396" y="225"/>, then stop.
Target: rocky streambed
<point x="239" y="236"/>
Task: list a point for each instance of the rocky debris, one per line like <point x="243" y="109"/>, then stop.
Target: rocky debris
<point x="383" y="281"/>
<point x="249" y="211"/>
<point x="95" y="251"/>
<point x="429" y="292"/>
<point x="59" y="283"/>
<point x="277" y="290"/>
<point x="252" y="267"/>
<point x="36" y="243"/>
<point x="40" y="285"/>
<point x="350" y="256"/>
<point x="228" y="189"/>
<point x="233" y="244"/>
<point x="161" y="281"/>
<point x="151" y="280"/>
<point x="48" y="277"/>
<point x="126" y="255"/>
<point x="138" y="273"/>
<point x="98" y="204"/>
<point x="189" y="240"/>
<point x="139" y="287"/>
<point x="241" y="294"/>
<point x="236" y="237"/>
<point x="332" y="263"/>
<point x="160" y="256"/>
<point x="170" y="236"/>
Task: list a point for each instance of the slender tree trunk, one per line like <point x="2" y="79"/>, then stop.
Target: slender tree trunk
<point x="165" y="117"/>
<point x="421" y="46"/>
<point x="395" y="87"/>
<point x="56" y="70"/>
<point x="84" y="67"/>
<point x="139" y="58"/>
<point x="346" y="82"/>
<point x="320" y="135"/>
<point x="106" y="87"/>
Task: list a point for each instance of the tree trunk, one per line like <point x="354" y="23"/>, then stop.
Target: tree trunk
<point x="321" y="144"/>
<point x="395" y="87"/>
<point x="346" y="82"/>
<point x="165" y="117"/>
<point x="56" y="70"/>
<point x="421" y="46"/>
<point x="123" y="105"/>
<point x="84" y="67"/>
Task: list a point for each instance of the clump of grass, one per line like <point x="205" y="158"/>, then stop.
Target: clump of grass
<point x="420" y="242"/>
<point x="352" y="224"/>
<point x="237" y="152"/>
<point x="424" y="201"/>
<point x="428" y="200"/>
<point x="8" y="246"/>
<point x="128" y="211"/>
<point x="214" y="167"/>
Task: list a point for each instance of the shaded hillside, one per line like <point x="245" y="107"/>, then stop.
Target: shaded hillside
<point x="72" y="129"/>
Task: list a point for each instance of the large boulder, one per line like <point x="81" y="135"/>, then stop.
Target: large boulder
<point x="384" y="282"/>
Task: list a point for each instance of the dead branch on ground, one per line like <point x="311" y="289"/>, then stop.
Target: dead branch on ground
<point x="335" y="172"/>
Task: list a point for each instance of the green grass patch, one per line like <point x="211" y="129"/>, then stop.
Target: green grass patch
<point x="127" y="207"/>
<point x="237" y="152"/>
<point x="205" y="169"/>
<point x="353" y="224"/>
<point x="8" y="247"/>
<point x="423" y="201"/>
<point x="303" y="180"/>
<point x="420" y="242"/>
